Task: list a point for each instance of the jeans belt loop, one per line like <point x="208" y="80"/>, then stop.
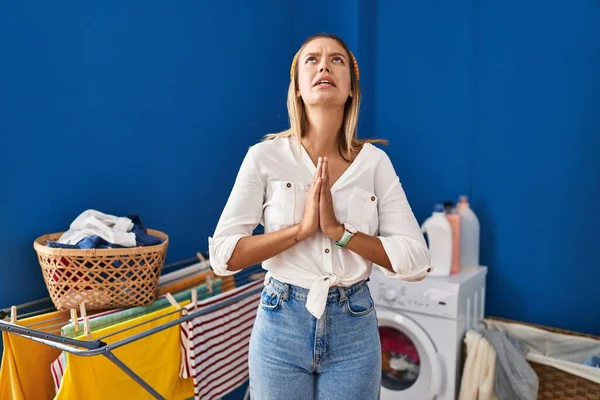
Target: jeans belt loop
<point x="343" y="296"/>
<point x="286" y="291"/>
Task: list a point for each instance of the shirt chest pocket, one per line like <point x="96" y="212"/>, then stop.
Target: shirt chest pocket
<point x="285" y="204"/>
<point x="362" y="211"/>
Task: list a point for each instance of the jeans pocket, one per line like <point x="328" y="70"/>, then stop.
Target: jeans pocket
<point x="360" y="303"/>
<point x="270" y="299"/>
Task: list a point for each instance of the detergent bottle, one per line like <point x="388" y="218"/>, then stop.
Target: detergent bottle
<point x="438" y="232"/>
<point x="469" y="234"/>
<point x="454" y="220"/>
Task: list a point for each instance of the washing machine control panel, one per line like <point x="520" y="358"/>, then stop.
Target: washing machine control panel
<point x="414" y="296"/>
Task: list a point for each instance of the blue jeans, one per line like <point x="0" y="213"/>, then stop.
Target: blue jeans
<point x="295" y="356"/>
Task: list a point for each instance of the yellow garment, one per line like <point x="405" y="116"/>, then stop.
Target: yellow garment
<point x="25" y="372"/>
<point x="155" y="358"/>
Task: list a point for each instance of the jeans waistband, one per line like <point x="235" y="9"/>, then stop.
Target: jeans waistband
<point x="299" y="293"/>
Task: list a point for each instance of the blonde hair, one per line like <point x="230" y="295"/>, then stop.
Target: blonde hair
<point x="348" y="142"/>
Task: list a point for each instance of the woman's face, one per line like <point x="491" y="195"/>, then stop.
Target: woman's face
<point x="324" y="73"/>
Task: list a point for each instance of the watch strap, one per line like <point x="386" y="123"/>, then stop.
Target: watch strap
<point x="346" y="236"/>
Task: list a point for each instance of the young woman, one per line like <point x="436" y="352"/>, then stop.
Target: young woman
<point x="332" y="206"/>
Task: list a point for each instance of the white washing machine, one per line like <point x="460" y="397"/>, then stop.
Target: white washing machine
<point x="421" y="326"/>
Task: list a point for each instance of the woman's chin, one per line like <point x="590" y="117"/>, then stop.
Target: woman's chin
<point x="324" y="99"/>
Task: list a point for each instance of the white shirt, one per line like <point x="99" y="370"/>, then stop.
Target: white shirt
<point x="270" y="189"/>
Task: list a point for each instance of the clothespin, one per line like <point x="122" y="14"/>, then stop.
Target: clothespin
<point x="74" y="319"/>
<point x="173" y="302"/>
<point x="86" y="321"/>
<point x="194" y="298"/>
<point x="209" y="283"/>
<point x="202" y="259"/>
<point x="13" y="315"/>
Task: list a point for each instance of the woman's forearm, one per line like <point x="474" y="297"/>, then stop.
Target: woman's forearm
<point x="368" y="247"/>
<point x="252" y="250"/>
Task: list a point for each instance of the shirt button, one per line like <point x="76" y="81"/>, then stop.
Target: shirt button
<point x="326" y="250"/>
<point x="372" y="198"/>
<point x="289" y="185"/>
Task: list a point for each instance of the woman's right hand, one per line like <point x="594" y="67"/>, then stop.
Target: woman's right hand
<point x="310" y="221"/>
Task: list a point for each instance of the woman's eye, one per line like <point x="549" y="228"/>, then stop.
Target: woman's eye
<point x="338" y="59"/>
<point x="311" y="59"/>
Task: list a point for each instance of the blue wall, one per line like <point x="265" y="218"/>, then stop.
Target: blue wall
<point x="499" y="101"/>
<point x="124" y="107"/>
<point x="536" y="168"/>
<point x="149" y="107"/>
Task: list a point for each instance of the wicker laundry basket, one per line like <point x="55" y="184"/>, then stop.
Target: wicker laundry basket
<point x="101" y="278"/>
<point x="555" y="384"/>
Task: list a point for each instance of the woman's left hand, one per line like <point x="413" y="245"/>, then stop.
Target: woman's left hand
<point x="329" y="224"/>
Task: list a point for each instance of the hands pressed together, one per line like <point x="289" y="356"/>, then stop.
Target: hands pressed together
<point x="318" y="211"/>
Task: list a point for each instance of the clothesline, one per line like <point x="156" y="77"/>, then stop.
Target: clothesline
<point x="96" y="347"/>
<point x="60" y="320"/>
<point x="98" y="327"/>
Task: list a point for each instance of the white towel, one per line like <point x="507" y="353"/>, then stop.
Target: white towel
<point x="113" y="229"/>
<point x="479" y="373"/>
<point x="118" y="223"/>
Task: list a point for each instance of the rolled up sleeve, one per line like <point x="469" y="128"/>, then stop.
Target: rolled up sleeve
<point x="399" y="230"/>
<point x="241" y="215"/>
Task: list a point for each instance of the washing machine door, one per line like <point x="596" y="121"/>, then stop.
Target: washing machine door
<point x="411" y="367"/>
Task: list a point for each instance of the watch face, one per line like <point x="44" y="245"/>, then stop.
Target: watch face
<point x="350" y="228"/>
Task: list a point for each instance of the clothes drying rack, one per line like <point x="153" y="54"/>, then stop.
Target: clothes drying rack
<point x="83" y="348"/>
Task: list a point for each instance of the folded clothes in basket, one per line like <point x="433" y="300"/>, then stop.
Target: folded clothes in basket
<point x="95" y="230"/>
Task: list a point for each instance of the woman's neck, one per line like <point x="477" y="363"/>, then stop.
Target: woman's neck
<point x="322" y="131"/>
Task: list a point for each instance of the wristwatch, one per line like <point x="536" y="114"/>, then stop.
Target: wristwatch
<point x="349" y="231"/>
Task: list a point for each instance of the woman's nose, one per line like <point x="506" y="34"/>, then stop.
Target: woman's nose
<point x="324" y="68"/>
